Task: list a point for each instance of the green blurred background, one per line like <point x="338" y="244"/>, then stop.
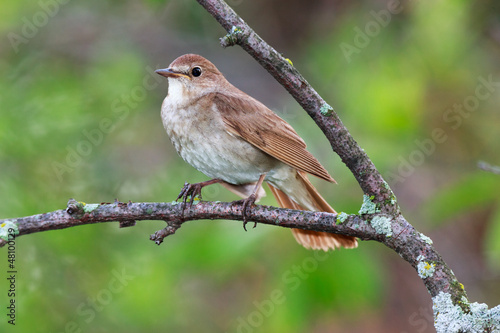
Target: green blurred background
<point x="80" y="118"/>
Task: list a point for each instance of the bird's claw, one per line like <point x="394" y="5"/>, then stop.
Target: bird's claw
<point x="189" y="190"/>
<point x="247" y="203"/>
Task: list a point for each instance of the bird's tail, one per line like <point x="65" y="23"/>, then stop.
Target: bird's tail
<point x="312" y="199"/>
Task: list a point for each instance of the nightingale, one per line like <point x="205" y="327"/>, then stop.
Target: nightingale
<point x="240" y="143"/>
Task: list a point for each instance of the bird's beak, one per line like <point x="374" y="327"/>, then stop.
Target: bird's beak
<point x="169" y="72"/>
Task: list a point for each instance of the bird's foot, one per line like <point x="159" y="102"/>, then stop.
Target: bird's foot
<point x="193" y="191"/>
<point x="190" y="190"/>
<point x="247" y="203"/>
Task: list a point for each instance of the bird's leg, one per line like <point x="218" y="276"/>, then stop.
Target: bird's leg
<point x="250" y="200"/>
<point x="194" y="190"/>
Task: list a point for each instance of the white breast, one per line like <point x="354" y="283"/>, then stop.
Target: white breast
<point x="199" y="137"/>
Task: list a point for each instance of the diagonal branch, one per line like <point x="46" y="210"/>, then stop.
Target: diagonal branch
<point x="363" y="169"/>
<point x="448" y="294"/>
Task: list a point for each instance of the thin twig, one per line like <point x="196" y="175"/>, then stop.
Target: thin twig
<point x="488" y="167"/>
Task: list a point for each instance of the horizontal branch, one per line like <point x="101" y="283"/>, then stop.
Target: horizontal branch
<point x="78" y="213"/>
<point x="397" y="234"/>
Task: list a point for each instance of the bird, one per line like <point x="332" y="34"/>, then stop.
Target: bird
<point x="239" y="143"/>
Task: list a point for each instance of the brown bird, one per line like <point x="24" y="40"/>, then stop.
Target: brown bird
<point x="236" y="140"/>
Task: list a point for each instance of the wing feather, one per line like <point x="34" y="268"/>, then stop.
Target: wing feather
<point x="252" y="121"/>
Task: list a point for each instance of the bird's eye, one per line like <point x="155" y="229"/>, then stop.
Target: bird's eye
<point x="196" y="71"/>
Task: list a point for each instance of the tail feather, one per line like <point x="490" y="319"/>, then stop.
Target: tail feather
<point x="318" y="200"/>
<point x="313" y="239"/>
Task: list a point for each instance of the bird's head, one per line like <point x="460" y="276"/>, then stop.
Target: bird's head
<point x="193" y="74"/>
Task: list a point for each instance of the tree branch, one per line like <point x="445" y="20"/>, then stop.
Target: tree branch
<point x="79" y="213"/>
<point x="397" y="234"/>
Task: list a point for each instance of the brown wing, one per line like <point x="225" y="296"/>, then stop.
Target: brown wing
<point x="252" y="121"/>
